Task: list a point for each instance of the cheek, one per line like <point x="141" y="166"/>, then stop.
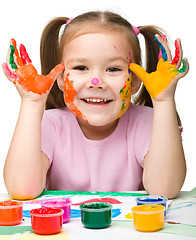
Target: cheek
<point x="125" y="96"/>
<point x="69" y="95"/>
<point x="77" y="81"/>
<point x="69" y="89"/>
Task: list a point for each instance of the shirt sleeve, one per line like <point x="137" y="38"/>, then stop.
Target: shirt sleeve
<point x="48" y="136"/>
<point x="143" y="134"/>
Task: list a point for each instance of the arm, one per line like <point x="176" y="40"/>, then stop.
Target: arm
<point x="164" y="165"/>
<point x="26" y="166"/>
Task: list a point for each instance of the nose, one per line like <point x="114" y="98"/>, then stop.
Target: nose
<point x="96" y="82"/>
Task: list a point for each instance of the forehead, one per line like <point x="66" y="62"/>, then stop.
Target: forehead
<point x="73" y="31"/>
<point x="97" y="45"/>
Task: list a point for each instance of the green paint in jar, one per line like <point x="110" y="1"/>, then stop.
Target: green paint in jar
<point x="96" y="215"/>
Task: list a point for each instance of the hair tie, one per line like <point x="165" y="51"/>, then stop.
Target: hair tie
<point x="69" y="20"/>
<point x="136" y="30"/>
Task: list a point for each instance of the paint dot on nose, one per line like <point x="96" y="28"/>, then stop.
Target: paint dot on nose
<point x="95" y="81"/>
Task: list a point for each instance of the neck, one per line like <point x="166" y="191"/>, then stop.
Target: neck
<point x="97" y="132"/>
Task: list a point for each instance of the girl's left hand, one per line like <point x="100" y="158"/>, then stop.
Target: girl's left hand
<point x="161" y="84"/>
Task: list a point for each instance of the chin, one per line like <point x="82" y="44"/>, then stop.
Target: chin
<point x="100" y="122"/>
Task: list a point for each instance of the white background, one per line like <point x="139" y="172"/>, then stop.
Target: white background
<point x="24" y="20"/>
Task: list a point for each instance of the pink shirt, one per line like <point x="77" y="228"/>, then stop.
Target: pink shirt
<point x="112" y="164"/>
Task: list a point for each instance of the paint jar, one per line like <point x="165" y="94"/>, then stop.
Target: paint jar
<point x="10" y="213"/>
<point x="96" y="215"/>
<point x="152" y="199"/>
<point x="148" y="218"/>
<point x="46" y="221"/>
<point x="61" y="203"/>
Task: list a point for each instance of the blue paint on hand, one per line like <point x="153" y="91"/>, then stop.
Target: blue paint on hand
<point x="164" y="54"/>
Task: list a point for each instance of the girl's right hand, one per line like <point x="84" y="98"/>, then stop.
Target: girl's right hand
<point x="22" y="73"/>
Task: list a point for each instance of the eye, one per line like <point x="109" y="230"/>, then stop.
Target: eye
<point x="113" y="69"/>
<point x="80" y="68"/>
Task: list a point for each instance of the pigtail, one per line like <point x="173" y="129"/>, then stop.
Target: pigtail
<point x="152" y="53"/>
<point x="49" y="55"/>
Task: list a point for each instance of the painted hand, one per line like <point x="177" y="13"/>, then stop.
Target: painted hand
<point x="20" y="70"/>
<point x="163" y="81"/>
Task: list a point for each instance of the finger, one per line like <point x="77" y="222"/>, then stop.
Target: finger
<point x="178" y="54"/>
<point x="24" y="55"/>
<point x="10" y="75"/>
<point x="17" y="58"/>
<point x="10" y="58"/>
<point x="164" y="53"/>
<point x="185" y="68"/>
<point x="139" y="71"/>
<point x="54" y="73"/>
<point x="160" y="52"/>
<point x="165" y="46"/>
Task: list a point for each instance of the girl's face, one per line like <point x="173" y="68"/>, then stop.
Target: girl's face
<point x="97" y="82"/>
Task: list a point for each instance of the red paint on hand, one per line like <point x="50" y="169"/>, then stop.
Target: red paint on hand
<point x="177" y="53"/>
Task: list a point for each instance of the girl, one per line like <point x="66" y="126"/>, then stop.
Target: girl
<point x="108" y="143"/>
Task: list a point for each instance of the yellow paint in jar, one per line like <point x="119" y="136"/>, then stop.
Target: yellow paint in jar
<point x="148" y="218"/>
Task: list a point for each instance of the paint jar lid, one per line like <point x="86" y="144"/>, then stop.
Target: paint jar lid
<point x="46" y="212"/>
<point x="148" y="209"/>
<point x="96" y="207"/>
<point x="9" y="204"/>
<point x="151" y="199"/>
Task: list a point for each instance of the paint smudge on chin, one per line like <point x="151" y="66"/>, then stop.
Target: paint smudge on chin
<point x="69" y="95"/>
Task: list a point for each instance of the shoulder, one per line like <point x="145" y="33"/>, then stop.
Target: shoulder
<point x="140" y="113"/>
<point x="56" y="117"/>
<point x="139" y="119"/>
<point x="56" y="114"/>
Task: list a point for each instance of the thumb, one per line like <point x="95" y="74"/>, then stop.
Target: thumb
<point x="139" y="71"/>
<point x="54" y="73"/>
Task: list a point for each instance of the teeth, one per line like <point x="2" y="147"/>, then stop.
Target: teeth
<point x="95" y="100"/>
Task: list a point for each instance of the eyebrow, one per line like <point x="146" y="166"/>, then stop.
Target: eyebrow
<point x="112" y="59"/>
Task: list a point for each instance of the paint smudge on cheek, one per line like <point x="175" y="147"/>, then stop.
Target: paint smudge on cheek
<point x="125" y="95"/>
<point x="69" y="95"/>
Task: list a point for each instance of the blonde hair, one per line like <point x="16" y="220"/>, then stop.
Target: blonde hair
<point x="53" y="42"/>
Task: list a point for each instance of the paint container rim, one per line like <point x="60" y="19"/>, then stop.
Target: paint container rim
<point x="147" y="199"/>
<point x="85" y="207"/>
<point x="59" y="203"/>
<point x="19" y="204"/>
<point x="135" y="209"/>
<point x="61" y="211"/>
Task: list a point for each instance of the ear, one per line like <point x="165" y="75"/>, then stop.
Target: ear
<point x="60" y="81"/>
<point x="136" y="83"/>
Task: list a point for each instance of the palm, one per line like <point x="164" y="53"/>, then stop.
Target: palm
<point x="162" y="83"/>
<point x="21" y="72"/>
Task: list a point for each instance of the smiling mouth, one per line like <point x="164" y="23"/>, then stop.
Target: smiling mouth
<point x="96" y="101"/>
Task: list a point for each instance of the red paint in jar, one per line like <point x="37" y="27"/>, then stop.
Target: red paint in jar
<point x="46" y="220"/>
<point x="10" y="213"/>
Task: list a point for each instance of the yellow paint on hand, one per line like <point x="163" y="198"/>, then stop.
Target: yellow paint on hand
<point x="156" y="82"/>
